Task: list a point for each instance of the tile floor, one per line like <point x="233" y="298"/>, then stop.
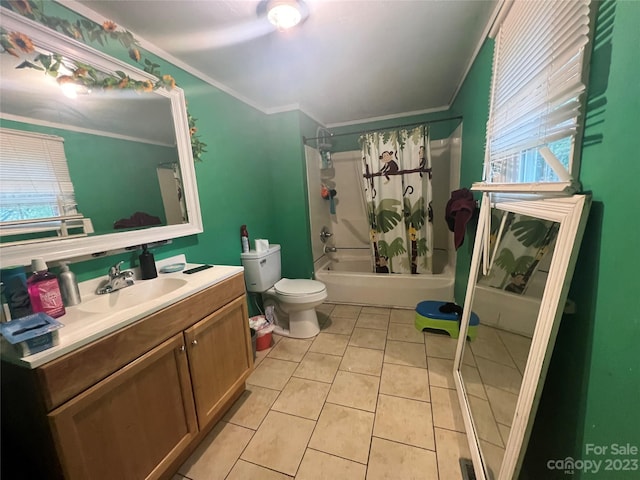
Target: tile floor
<point x="370" y="398"/>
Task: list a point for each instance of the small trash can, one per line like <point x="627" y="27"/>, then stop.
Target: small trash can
<point x="263" y="340"/>
<point x="262" y="330"/>
<point x="429" y="315"/>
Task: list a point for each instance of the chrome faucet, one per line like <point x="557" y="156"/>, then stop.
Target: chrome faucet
<point x="330" y="249"/>
<point x="117" y="280"/>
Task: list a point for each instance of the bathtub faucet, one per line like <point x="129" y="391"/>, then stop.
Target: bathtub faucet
<point x="324" y="234"/>
<point x="330" y="249"/>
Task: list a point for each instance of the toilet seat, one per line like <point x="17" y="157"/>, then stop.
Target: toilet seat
<point x="299" y="287"/>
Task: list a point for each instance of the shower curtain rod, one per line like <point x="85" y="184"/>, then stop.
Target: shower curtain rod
<point x="458" y="117"/>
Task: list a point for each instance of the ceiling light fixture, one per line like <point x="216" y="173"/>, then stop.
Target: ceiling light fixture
<point x="285" y="14"/>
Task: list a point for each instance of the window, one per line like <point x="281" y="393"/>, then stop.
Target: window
<point x="36" y="192"/>
<point x="539" y="81"/>
<point x="34" y="176"/>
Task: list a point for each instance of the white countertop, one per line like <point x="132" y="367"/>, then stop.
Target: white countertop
<point x="82" y="327"/>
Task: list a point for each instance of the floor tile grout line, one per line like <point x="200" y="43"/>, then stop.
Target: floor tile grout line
<point x="511" y="354"/>
<point x="373" y="427"/>
<point x="315" y="426"/>
<point x="293" y="414"/>
<point x="407" y="398"/>
<point x="253" y="433"/>
<point x="433" y="428"/>
<point x="450" y="430"/>
<point x="338" y="456"/>
<point x="407" y="444"/>
<point x="494" y="386"/>
<point x="257" y="465"/>
<point x="350" y="406"/>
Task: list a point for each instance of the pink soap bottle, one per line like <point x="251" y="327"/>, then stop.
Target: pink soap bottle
<point x="44" y="290"/>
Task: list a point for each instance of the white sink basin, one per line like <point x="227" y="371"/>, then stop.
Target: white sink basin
<point x="132" y="296"/>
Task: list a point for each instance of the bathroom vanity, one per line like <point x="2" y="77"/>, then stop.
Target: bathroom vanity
<point x="129" y="395"/>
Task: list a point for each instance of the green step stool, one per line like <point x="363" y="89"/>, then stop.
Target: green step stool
<point x="428" y="315"/>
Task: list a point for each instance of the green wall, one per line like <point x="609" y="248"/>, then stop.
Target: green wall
<point x="289" y="217"/>
<point x="116" y="178"/>
<point x="472" y="103"/>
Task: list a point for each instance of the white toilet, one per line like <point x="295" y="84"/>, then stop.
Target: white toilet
<point x="294" y="300"/>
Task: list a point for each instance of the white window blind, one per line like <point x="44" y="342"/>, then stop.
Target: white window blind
<point x="537" y="91"/>
<point x="34" y="177"/>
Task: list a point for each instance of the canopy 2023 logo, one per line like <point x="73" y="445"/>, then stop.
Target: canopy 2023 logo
<point x="600" y="458"/>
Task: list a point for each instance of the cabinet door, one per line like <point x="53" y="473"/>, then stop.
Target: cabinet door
<point x="132" y="424"/>
<point x="220" y="357"/>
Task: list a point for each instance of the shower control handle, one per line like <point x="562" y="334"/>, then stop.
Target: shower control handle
<point x="324" y="234"/>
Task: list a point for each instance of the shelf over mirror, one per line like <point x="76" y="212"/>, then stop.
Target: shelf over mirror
<point x="523" y="260"/>
<point x="127" y="149"/>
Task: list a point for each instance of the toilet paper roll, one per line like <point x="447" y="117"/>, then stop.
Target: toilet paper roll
<point x="261" y="244"/>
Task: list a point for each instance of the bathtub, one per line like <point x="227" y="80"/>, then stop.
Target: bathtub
<point x="505" y="310"/>
<point x="349" y="279"/>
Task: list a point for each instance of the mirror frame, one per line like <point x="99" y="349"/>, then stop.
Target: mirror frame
<point x="571" y="213"/>
<point x="61" y="248"/>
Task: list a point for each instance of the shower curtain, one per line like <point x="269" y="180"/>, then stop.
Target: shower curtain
<point x="524" y="243"/>
<point x="397" y="188"/>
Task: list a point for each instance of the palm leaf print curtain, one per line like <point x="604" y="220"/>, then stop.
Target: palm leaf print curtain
<point x="397" y="184"/>
<point x="523" y="245"/>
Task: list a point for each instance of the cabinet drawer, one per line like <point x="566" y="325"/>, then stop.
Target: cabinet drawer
<point x="73" y="373"/>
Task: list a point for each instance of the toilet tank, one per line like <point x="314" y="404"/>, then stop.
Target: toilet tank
<point x="261" y="269"/>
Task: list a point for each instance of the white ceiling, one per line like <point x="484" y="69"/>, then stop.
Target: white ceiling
<point x="350" y="61"/>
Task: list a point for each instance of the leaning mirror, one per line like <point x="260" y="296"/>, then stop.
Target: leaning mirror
<point x="128" y="176"/>
<point x="522" y="263"/>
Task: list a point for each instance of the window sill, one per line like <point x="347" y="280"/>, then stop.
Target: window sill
<point x="563" y="188"/>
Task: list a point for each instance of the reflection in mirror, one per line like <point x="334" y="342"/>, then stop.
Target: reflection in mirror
<point x="507" y="300"/>
<point x="114" y="141"/>
<point x="517" y="292"/>
<point x="126" y="149"/>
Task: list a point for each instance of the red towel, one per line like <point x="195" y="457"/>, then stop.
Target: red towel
<point x="460" y="208"/>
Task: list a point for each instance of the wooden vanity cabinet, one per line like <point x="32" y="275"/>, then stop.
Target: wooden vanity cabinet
<point x="131" y="424"/>
<point x="218" y="358"/>
<point x="150" y="408"/>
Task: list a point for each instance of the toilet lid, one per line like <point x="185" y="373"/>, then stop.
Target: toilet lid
<point x="287" y="286"/>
